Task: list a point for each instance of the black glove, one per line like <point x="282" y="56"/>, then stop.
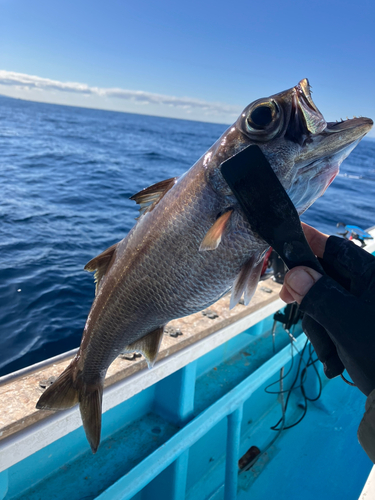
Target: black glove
<point x="339" y="313"/>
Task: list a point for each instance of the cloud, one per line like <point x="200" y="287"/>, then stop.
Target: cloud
<point x="31" y="82"/>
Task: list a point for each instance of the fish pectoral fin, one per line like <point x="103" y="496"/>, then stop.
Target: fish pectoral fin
<point x="101" y="264"/>
<point x="213" y="236"/>
<point x="149" y="197"/>
<point x="148" y="345"/>
<point x="246" y="281"/>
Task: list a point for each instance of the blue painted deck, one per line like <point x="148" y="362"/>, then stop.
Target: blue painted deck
<point x="182" y="437"/>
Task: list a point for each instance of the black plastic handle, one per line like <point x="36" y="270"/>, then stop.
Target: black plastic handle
<point x="268" y="208"/>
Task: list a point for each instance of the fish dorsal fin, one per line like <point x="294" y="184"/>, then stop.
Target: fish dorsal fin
<point x="149" y="197"/>
<point x="213" y="236"/>
<point x="101" y="264"/>
<point x="148" y="345"/>
<point x="246" y="281"/>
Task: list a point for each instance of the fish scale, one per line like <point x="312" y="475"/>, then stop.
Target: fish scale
<point x="192" y="242"/>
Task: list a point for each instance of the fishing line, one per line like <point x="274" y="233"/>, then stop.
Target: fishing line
<point x="293" y="346"/>
<point x="300" y="374"/>
<point x="289" y="391"/>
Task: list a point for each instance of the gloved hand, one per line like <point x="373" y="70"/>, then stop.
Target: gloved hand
<point x="339" y="307"/>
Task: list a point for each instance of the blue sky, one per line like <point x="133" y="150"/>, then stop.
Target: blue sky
<point x="199" y="59"/>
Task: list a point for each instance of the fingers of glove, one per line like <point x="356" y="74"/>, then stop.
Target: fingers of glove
<point x="324" y="347"/>
<point x="343" y="279"/>
<point x="348" y="321"/>
<point x="351" y="263"/>
<point x="297" y="283"/>
<point x="315" y="239"/>
<point x="318" y="242"/>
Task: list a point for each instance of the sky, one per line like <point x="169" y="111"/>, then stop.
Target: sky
<point x="201" y="60"/>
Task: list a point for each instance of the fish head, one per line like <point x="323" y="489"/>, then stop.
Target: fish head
<point x="303" y="149"/>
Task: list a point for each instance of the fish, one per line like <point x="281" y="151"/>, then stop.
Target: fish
<point x="192" y="243"/>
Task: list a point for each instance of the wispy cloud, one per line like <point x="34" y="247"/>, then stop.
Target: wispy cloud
<point x="31" y="82"/>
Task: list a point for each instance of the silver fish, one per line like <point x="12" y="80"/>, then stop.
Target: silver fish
<point x="192" y="243"/>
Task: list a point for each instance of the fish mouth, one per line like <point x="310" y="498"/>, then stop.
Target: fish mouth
<point x="337" y="138"/>
<point x="307" y="123"/>
<point x="324" y="146"/>
<point x="362" y="126"/>
<point x="320" y="139"/>
<point x="323" y="153"/>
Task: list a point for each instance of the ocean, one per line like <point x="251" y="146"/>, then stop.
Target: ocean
<point x="66" y="175"/>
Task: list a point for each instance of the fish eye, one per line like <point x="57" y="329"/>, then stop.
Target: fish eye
<point x="262" y="120"/>
<point x="261" y="116"/>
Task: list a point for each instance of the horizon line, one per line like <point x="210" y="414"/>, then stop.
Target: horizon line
<point x="113" y="110"/>
<point x="366" y="137"/>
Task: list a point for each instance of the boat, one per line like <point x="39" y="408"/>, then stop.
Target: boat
<point x="236" y="407"/>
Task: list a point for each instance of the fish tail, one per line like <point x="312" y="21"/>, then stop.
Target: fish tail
<point x="90" y="405"/>
<point x="70" y="389"/>
<point x="62" y="394"/>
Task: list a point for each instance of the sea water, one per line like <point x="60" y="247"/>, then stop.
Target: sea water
<point x="66" y="175"/>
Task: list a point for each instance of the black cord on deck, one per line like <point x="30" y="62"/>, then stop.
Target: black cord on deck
<point x="300" y="374"/>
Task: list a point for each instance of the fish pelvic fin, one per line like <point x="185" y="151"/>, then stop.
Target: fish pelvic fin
<point x="148" y="345"/>
<point x="101" y="264"/>
<point x="62" y="394"/>
<point x="246" y="281"/>
<point x="240" y="282"/>
<point x="90" y="406"/>
<point x="149" y="197"/>
<point x="213" y="236"/>
<point x="252" y="282"/>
